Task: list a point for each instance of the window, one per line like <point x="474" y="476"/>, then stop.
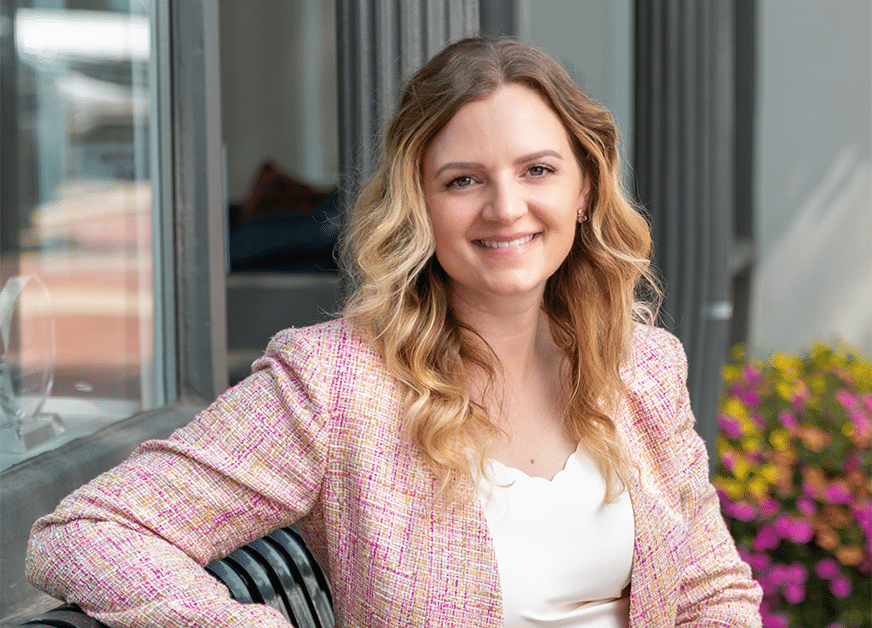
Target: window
<point x="79" y="201"/>
<point x="114" y="216"/>
<point x="280" y="132"/>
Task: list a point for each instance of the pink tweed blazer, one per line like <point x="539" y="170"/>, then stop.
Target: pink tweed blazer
<point x="313" y="436"/>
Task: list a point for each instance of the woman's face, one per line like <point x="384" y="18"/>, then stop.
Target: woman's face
<point x="503" y="190"/>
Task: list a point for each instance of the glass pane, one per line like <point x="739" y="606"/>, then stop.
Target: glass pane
<point x="77" y="304"/>
<point x="280" y="129"/>
<point x="594" y="41"/>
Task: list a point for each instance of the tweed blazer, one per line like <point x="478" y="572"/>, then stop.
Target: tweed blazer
<point x="313" y="436"/>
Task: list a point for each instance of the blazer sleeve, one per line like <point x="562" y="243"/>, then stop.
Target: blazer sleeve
<point x="716" y="587"/>
<point x="128" y="547"/>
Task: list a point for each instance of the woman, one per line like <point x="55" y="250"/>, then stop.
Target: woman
<point x="488" y="437"/>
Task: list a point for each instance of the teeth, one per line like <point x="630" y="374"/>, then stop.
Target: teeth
<point x="505" y="245"/>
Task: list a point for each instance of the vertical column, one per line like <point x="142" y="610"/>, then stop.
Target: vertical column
<point x="380" y="43"/>
<point x="199" y="200"/>
<point x="685" y="176"/>
<point x="10" y="172"/>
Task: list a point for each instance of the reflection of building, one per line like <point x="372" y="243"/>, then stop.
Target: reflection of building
<point x="88" y="73"/>
<point x="115" y="193"/>
<point x="84" y="216"/>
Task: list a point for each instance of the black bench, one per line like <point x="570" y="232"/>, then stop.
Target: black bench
<point x="276" y="570"/>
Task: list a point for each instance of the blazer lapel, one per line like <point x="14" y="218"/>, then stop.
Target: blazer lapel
<point x="465" y="583"/>
<point x="659" y="547"/>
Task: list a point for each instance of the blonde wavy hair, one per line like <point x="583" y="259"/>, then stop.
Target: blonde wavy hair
<point x="400" y="299"/>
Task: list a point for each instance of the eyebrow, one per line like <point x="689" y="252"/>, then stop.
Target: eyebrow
<point x="464" y="165"/>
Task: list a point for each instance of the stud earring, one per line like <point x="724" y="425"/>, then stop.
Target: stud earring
<point x="581" y="216"/>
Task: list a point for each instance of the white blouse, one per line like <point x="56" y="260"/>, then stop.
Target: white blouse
<point x="564" y="556"/>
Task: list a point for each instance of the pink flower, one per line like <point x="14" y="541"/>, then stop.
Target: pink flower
<point x="806" y="506"/>
<point x="758" y="562"/>
<point x="841" y="587"/>
<point x="773" y="620"/>
<point x="852" y="463"/>
<point x="747" y="396"/>
<point x="827" y="568"/>
<point x="743" y="511"/>
<point x="759" y="421"/>
<point x="836" y="493"/>
<point x="730" y="426"/>
<point x="769" y="507"/>
<point x="750" y="399"/>
<point x="728" y="459"/>
<point x="780" y="574"/>
<point x="845" y="398"/>
<point x="861" y="422"/>
<point x="788" y="419"/>
<point x="797" y="573"/>
<point x="867" y="401"/>
<point x="753" y="375"/>
<point x="864" y="518"/>
<point x="798" y="403"/>
<point x="766" y="539"/>
<point x="800" y="531"/>
<point x="768" y="584"/>
<point x="794" y="593"/>
<point x="782" y="526"/>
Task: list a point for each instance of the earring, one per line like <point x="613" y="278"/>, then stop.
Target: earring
<point x="581" y="216"/>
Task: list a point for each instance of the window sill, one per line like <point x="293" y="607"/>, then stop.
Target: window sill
<point x="34" y="487"/>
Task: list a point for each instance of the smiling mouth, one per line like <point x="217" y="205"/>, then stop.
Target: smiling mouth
<point x="491" y="244"/>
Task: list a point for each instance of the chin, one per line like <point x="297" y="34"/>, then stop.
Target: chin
<point x="509" y="290"/>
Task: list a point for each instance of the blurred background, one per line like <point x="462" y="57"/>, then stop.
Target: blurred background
<point x="174" y="176"/>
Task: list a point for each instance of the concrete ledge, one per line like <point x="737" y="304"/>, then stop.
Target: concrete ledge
<point x="34" y="487"/>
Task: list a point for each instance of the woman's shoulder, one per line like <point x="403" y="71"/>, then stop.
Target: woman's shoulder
<point x="656" y="368"/>
<point x="333" y="341"/>
<point x="333" y="355"/>
<point x="654" y="349"/>
<point x="655" y="376"/>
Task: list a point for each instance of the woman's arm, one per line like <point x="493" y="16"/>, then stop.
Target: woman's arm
<point x="716" y="588"/>
<point x="128" y="547"/>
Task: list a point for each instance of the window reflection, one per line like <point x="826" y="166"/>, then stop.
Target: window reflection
<point x="77" y="222"/>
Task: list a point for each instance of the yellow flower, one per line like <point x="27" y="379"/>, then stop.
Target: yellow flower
<point x="748" y="427"/>
<point x="758" y="487"/>
<point x="848" y="429"/>
<point x="784" y="390"/>
<point x="817" y="385"/>
<point x="862" y="372"/>
<point x="733" y="489"/>
<point x="739" y="352"/>
<point x="750" y="444"/>
<point x="785" y="362"/>
<point x="741" y="469"/>
<point x="734" y="407"/>
<point x="780" y="439"/>
<point x="823" y="357"/>
<point x="731" y="372"/>
<point x="769" y="472"/>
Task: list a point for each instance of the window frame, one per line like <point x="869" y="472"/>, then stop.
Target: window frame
<point x="189" y="278"/>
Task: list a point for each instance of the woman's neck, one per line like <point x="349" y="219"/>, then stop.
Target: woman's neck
<point x="517" y="332"/>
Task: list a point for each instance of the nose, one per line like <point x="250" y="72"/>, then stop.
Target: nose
<point x="505" y="202"/>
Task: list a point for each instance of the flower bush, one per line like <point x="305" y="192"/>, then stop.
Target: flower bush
<point x="793" y="479"/>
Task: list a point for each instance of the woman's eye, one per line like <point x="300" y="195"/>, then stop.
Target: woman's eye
<point x="460" y="182"/>
<point x="540" y="170"/>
